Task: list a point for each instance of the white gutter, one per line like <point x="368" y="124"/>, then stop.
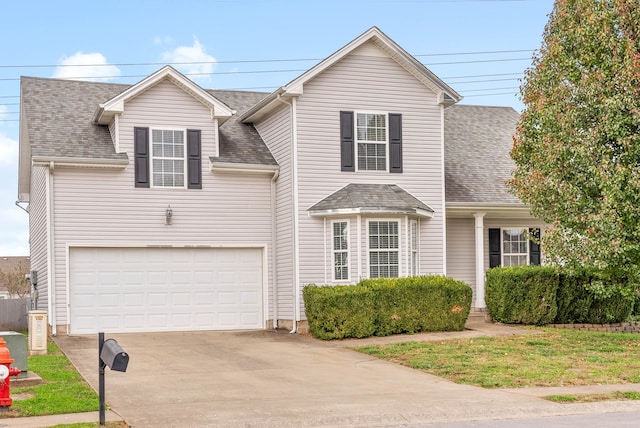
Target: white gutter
<point x="371" y="210"/>
<point x="216" y="166"/>
<point x="274" y="252"/>
<point x="296" y="219"/>
<point x="79" y="162"/>
<point x="51" y="271"/>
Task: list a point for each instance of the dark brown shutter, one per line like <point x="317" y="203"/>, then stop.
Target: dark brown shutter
<point x="395" y="142"/>
<point x="141" y="162"/>
<point x="534" y="247"/>
<point x="494" y="248"/>
<point x="194" y="159"/>
<point x="347" y="149"/>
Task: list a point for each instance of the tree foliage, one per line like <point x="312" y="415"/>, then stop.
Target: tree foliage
<point x="577" y="145"/>
<point x="15" y="281"/>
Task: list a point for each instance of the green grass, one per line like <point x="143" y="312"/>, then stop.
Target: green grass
<point x="556" y="357"/>
<point x="63" y="390"/>
<point x="590" y="398"/>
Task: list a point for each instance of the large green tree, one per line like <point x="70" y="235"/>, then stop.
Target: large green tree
<point x="577" y="145"/>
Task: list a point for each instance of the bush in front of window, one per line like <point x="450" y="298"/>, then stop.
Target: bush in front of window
<point x="339" y="312"/>
<point x="591" y="297"/>
<point x="522" y="295"/>
<point x="385" y="306"/>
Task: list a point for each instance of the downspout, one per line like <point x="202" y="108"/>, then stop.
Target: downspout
<point x="294" y="190"/>
<point x="444" y="202"/>
<point x="51" y="258"/>
<point x="274" y="257"/>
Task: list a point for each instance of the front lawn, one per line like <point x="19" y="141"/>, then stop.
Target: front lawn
<point x="63" y="390"/>
<point x="556" y="357"/>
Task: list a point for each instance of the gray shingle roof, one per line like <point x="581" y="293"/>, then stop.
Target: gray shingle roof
<point x="477" y="162"/>
<point x="371" y="198"/>
<point x="58" y="115"/>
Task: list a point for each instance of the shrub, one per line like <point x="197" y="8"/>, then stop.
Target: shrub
<point x="387" y="306"/>
<point x="522" y="295"/>
<point x="339" y="312"/>
<point x="591" y="297"/>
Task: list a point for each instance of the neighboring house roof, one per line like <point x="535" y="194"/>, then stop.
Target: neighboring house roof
<point x="446" y="95"/>
<point x="370" y="198"/>
<point x="478" y="140"/>
<point x="10" y="264"/>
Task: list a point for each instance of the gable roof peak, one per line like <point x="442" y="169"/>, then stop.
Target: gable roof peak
<point x="106" y="111"/>
<point x="445" y="94"/>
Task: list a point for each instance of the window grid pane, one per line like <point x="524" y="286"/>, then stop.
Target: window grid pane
<point x="383" y="249"/>
<point x="515" y="247"/>
<point x="167" y="151"/>
<point x="340" y="251"/>
<point x="371" y="133"/>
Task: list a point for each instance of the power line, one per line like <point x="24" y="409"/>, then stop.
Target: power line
<point x="249" y="61"/>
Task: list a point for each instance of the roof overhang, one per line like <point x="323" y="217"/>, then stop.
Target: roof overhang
<point x="371" y="211"/>
<point x="106" y="111"/>
<point x="56" y="161"/>
<point x="490" y="210"/>
<point x="445" y="94"/>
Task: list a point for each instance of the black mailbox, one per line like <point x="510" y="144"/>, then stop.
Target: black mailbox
<point x="114" y="356"/>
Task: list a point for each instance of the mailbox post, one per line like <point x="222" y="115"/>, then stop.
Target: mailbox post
<point x="111" y="355"/>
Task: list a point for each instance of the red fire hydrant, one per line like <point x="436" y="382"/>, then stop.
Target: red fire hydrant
<point x="6" y="371"/>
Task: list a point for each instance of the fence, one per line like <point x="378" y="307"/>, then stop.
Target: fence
<point x="13" y="314"/>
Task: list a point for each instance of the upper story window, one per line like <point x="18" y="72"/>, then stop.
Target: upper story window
<point x="371" y="137"/>
<point x="372" y="141"/>
<point x="168" y="157"/>
<point x="340" y="251"/>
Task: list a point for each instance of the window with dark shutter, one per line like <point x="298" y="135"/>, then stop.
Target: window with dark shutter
<point x="347" y="152"/>
<point x="141" y="162"/>
<point x="395" y="142"/>
<point x="194" y="158"/>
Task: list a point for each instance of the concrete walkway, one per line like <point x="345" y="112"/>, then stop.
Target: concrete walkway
<point x="275" y="379"/>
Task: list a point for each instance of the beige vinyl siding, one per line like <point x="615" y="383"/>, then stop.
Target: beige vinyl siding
<point x="461" y="250"/>
<point x="368" y="83"/>
<point x="276" y="132"/>
<point x="38" y="243"/>
<point x="102" y="207"/>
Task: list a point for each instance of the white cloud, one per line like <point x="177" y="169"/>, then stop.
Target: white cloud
<point x="8" y="150"/>
<point x="196" y="62"/>
<point x="163" y="40"/>
<point x="86" y="66"/>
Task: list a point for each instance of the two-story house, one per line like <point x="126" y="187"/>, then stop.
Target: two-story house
<point x="162" y="206"/>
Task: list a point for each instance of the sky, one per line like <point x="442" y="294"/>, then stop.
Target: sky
<point x="481" y="48"/>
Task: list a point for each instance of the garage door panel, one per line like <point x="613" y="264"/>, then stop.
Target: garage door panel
<point x="165" y="289"/>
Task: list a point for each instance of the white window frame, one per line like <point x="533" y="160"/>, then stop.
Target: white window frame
<point x="357" y="141"/>
<point x="397" y="249"/>
<point x="184" y="157"/>
<point x="414" y="248"/>
<point x="504" y="254"/>
<point x="335" y="252"/>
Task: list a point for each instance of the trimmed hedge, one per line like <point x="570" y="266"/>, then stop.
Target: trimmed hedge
<point x="522" y="295"/>
<point x="542" y="295"/>
<point x="385" y="306"/>
<point x="579" y="302"/>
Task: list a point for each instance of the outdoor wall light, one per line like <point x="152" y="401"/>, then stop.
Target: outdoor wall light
<point x="168" y="215"/>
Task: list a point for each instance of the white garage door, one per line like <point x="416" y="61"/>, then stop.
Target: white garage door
<point x="121" y="290"/>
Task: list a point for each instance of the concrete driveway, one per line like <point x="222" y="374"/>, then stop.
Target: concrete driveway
<point x="275" y="379"/>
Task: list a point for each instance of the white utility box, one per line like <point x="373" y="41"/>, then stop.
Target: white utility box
<point x="37" y="332"/>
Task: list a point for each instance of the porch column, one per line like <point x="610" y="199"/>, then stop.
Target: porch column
<point x="479" y="260"/>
